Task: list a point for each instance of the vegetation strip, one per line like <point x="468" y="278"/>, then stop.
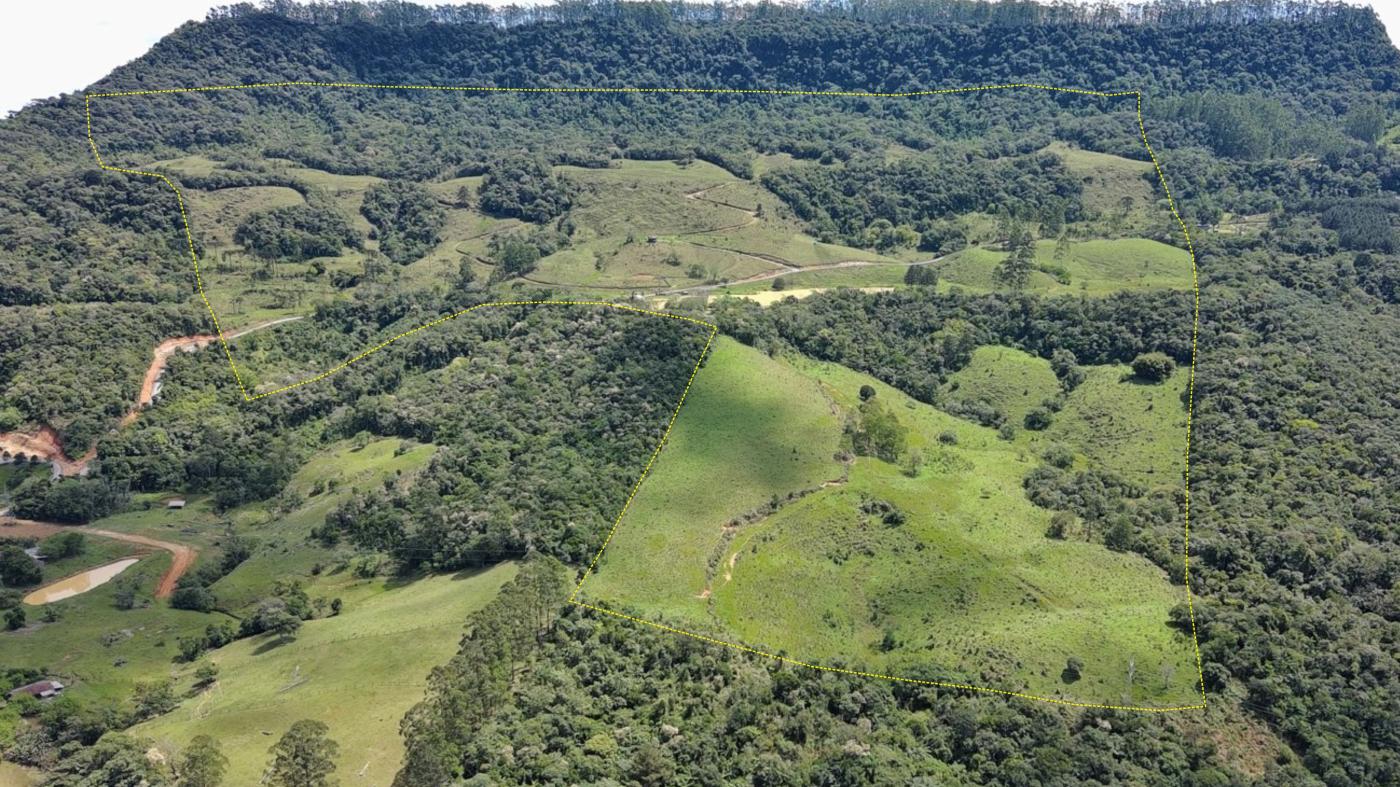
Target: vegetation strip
<point x="1161" y="176"/>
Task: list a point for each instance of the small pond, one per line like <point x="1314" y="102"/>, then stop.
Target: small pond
<point x="79" y="583"/>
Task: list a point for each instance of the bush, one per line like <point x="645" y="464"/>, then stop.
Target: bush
<point x="63" y="545"/>
<point x="1060" y="524"/>
<point x="193" y="596"/>
<point x="1153" y="367"/>
<point x="18" y="569"/>
<point x="1058" y="455"/>
<point x="1038" y="419"/>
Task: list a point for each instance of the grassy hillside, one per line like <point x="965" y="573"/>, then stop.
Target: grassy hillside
<point x="752" y="428"/>
<point x="1009" y="380"/>
<point x="1094" y="267"/>
<point x="1111" y="420"/>
<point x="1135" y="429"/>
<point x="966" y="588"/>
<point x="357" y="672"/>
<point x="317" y="487"/>
<point x="1111" y="183"/>
<point x="968" y="585"/>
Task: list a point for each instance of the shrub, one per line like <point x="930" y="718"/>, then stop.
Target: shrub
<point x="1153" y="367"/>
<point x="1038" y="419"/>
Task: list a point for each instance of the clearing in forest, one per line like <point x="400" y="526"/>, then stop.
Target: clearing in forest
<point x="939" y="573"/>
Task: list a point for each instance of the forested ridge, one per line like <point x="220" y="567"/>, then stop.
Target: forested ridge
<point x="1276" y="111"/>
<point x="1300" y="93"/>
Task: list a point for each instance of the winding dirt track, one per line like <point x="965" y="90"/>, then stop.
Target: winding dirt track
<point x="182" y="556"/>
<point x="44" y="443"/>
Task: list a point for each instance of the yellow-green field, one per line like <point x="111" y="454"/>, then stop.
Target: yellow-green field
<point x="1095" y="267"/>
<point x="358" y="672"/>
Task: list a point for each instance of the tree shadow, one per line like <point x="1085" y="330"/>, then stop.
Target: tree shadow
<point x="273" y="643"/>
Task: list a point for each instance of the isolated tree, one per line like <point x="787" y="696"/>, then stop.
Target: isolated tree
<point x="153" y="698"/>
<point x="201" y="764"/>
<point x="303" y="757"/>
<point x="1074" y="669"/>
<point x="1014" y="272"/>
<point x="14" y="618"/>
<point x="921" y="276"/>
<point x="274" y="617"/>
<point x="879" y="433"/>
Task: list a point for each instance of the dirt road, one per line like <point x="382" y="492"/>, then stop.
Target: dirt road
<point x="44" y="443"/>
<point x="182" y="556"/>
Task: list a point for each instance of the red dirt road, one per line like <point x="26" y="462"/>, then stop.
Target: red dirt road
<point x="182" y="556"/>
<point x="44" y="443"/>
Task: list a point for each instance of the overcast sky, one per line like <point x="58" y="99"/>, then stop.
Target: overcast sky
<point x="60" y="46"/>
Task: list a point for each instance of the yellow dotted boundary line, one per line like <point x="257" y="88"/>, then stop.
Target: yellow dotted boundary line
<point x="1142" y="129"/>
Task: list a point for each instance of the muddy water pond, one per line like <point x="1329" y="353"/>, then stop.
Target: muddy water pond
<point x="79" y="583"/>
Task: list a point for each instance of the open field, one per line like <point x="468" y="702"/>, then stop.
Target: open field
<point x="1009" y="380"/>
<point x="965" y="588"/>
<point x="1094" y="267"/>
<point x="1110" y="183"/>
<point x="358" y="672"/>
<point x="100" y="651"/>
<point x="735" y="445"/>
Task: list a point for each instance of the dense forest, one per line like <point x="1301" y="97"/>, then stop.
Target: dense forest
<point x="1305" y="99"/>
<point x="1279" y="110"/>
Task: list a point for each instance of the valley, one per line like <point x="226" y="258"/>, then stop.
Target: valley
<point x="632" y="394"/>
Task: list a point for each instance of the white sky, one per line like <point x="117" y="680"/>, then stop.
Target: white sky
<point x="60" y="46"/>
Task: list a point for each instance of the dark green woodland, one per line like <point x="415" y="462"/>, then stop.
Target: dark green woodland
<point x="367" y="212"/>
